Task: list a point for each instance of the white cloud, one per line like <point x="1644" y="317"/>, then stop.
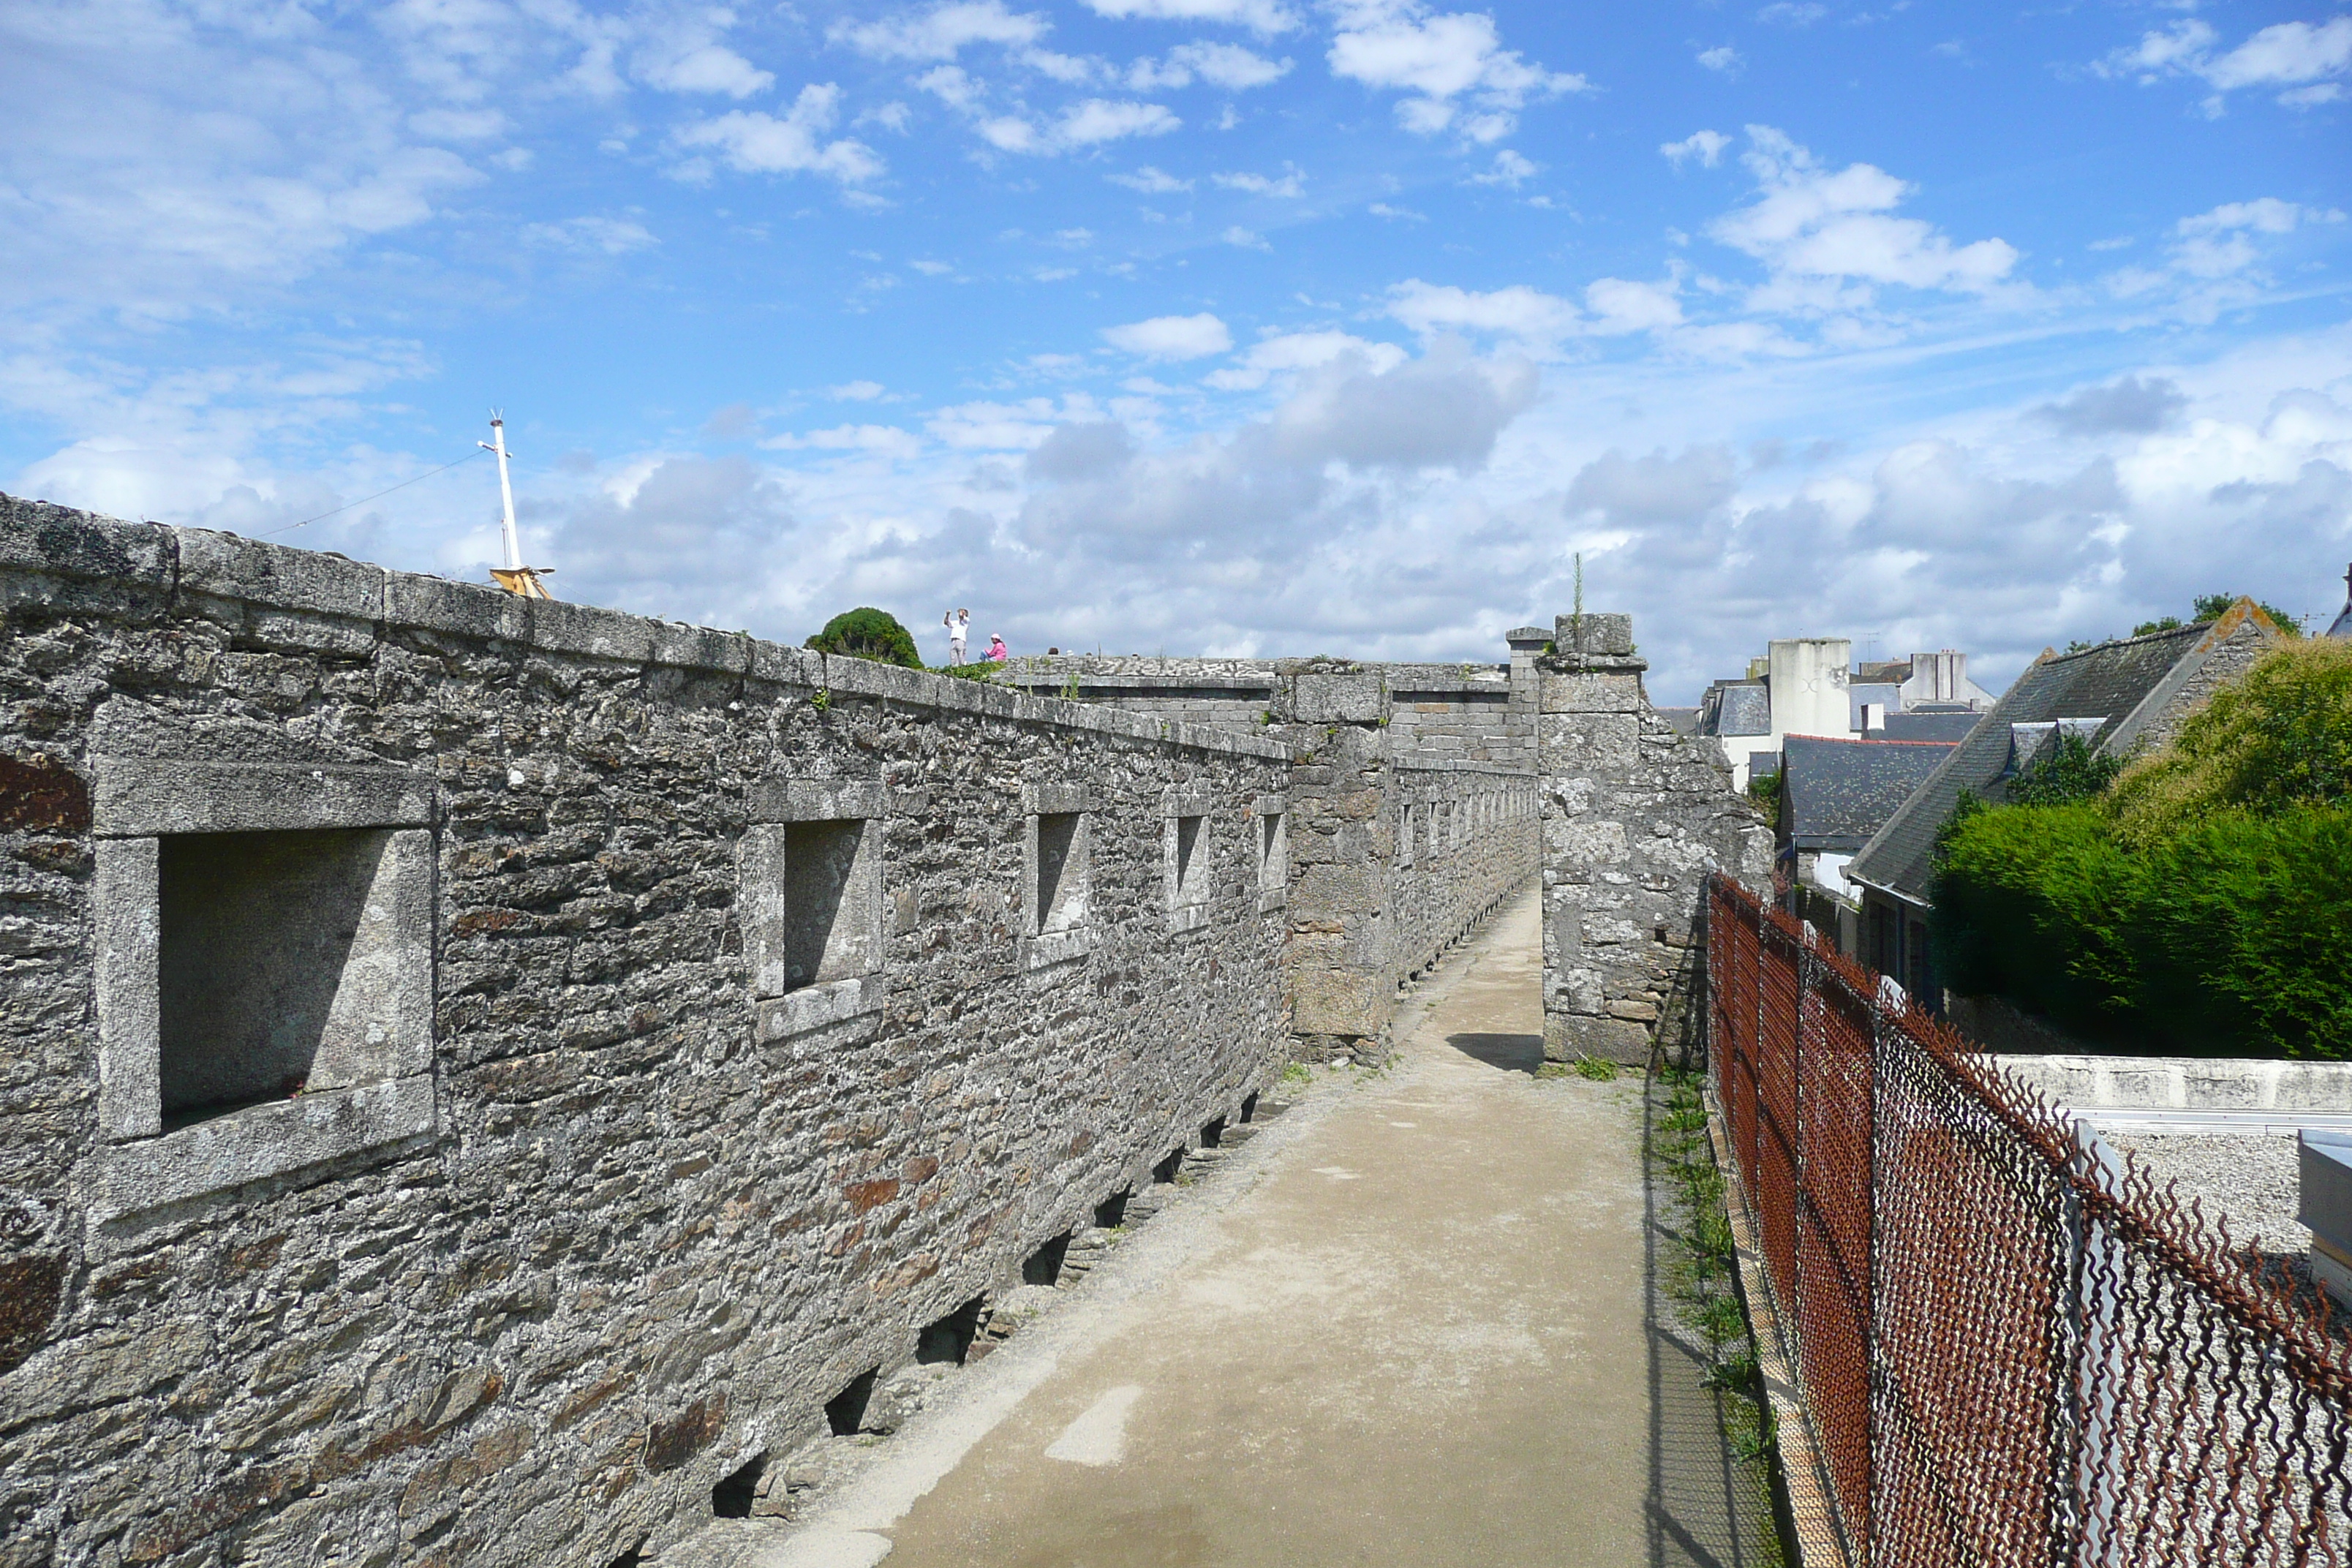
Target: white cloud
<point x="1518" y="312"/>
<point x="710" y="67"/>
<point x="1438" y="59"/>
<point x="755" y="142"/>
<point x="2296" y="56"/>
<point x="887" y="440"/>
<point x="458" y="124"/>
<point x="1706" y="146"/>
<point x="1099" y="120"/>
<point x="1619" y="305"/>
<point x="1722" y="59"/>
<point x="1793" y="13"/>
<point x="1172" y="337"/>
<point x="1267" y="17"/>
<point x="1228" y="66"/>
<point x="2222" y="242"/>
<point x="856" y="390"/>
<point x="1152" y="180"/>
<point x="1811" y="222"/>
<point x="1290" y="185"/>
<point x="1247" y="238"/>
<point x="1291" y="352"/>
<point x="943" y="32"/>
<point x="1510" y="169"/>
<point x="613" y="236"/>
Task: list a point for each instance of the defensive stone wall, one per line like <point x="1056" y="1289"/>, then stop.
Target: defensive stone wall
<point x="476" y="1071"/>
<point x="1435" y="713"/>
<point x="1635" y="817"/>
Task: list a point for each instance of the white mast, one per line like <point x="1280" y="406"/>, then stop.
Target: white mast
<point x="505" y="488"/>
<point x="517" y="578"/>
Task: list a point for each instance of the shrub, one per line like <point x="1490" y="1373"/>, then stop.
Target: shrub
<point x="2280" y="737"/>
<point x="868" y="633"/>
<point x="2202" y="905"/>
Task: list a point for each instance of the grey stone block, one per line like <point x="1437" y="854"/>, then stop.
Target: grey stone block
<point x="413" y="601"/>
<point x="267" y="576"/>
<point x="1593" y="634"/>
<point x="818" y="800"/>
<point x="129" y="933"/>
<point x="1349" y="699"/>
<point x="143" y="796"/>
<point x="262" y="1143"/>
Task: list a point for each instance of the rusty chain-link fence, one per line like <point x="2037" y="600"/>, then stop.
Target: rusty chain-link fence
<point x="2015" y="1348"/>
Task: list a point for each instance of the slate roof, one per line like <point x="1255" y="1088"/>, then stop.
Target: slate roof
<point x="1834" y="794"/>
<point x="2124" y="684"/>
<point x="1927" y="727"/>
<point x="1745" y="709"/>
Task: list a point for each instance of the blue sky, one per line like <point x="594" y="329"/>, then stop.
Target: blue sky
<point x="1215" y="326"/>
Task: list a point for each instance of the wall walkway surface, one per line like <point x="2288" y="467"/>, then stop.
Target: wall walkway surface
<point x="478" y="1070"/>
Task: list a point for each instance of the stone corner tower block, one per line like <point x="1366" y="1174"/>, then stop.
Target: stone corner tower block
<point x="1635" y="817"/>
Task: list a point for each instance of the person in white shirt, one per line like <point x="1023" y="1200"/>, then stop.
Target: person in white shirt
<point x="959" y="625"/>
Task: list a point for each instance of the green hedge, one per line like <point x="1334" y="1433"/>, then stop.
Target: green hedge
<point x="2231" y="938"/>
<point x="2199" y="905"/>
<point x="868" y="633"/>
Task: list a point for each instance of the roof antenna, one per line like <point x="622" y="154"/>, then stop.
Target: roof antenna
<point x="514" y="576"/>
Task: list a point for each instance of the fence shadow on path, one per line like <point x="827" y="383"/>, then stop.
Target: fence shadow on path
<point x="1511" y="1053"/>
<point x="1705" y="1509"/>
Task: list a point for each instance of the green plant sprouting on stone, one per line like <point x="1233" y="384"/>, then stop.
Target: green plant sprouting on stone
<point x="821" y="698"/>
<point x="1596" y="1070"/>
<point x="1296" y="1075"/>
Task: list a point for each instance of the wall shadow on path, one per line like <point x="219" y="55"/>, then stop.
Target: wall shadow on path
<point x="1511" y="1053"/>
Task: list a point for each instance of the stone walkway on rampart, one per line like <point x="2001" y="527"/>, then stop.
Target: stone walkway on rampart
<point x="1414" y="1321"/>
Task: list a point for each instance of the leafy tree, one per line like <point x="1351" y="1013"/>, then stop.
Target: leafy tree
<point x="2280" y="737"/>
<point x="868" y="633"/>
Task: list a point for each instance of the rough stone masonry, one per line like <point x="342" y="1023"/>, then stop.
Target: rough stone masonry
<point x="477" y="1073"/>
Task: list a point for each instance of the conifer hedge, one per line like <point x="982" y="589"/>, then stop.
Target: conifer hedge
<point x="2200" y="906"/>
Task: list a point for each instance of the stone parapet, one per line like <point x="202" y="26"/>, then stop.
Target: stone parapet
<point x="1635" y="817"/>
<point x="479" y="1070"/>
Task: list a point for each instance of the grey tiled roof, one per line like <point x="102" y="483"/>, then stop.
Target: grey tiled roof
<point x="2106" y="683"/>
<point x="1835" y="794"/>
<point x="1747" y="710"/>
<point x="1928" y="726"/>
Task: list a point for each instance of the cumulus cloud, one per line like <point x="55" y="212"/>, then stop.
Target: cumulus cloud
<point x="2223" y="241"/>
<point x="1228" y="66"/>
<point x="1813" y="222"/>
<point x="941" y="32"/>
<point x="1086" y="124"/>
<point x="1528" y="315"/>
<point x="1723" y="59"/>
<point x="613" y="236"/>
<point x="1706" y="146"/>
<point x="1289" y="352"/>
<point x="1151" y="180"/>
<point x="1510" y="169"/>
<point x="752" y="142"/>
<point x="2133" y="405"/>
<point x="1172" y="337"/>
<point x="2305" y="61"/>
<point x="1267" y="17"/>
<point x="1443" y="62"/>
<point x="1291" y="185"/>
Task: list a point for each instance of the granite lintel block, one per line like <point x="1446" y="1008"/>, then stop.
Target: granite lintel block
<point x="782" y="666"/>
<point x="818" y="800"/>
<point x="259" y="1142"/>
<point x="144" y="797"/>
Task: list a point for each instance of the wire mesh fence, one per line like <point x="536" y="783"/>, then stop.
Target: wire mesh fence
<point x="2015" y="1348"/>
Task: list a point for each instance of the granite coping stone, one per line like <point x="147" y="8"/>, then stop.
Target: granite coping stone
<point x="40" y="539"/>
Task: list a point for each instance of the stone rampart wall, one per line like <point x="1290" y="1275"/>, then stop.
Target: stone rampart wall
<point x="1435" y="713"/>
<point x="1635" y="817"/>
<point x="476" y="1071"/>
